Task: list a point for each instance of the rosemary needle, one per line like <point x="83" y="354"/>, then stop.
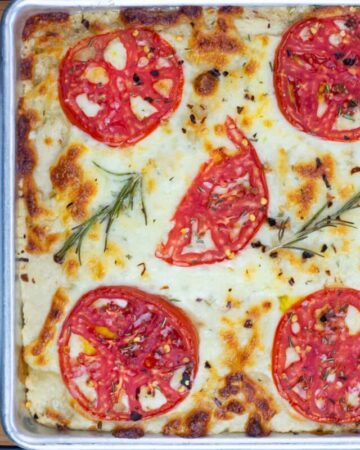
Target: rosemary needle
<point x="316" y="223"/>
<point x="132" y="185"/>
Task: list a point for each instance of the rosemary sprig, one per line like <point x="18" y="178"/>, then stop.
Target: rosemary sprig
<point x="316" y="223"/>
<point x="132" y="185"/>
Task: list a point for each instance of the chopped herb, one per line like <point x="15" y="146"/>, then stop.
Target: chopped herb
<point x="324" y="248"/>
<point x="154" y="73"/>
<point x="308" y="254"/>
<point x="316" y="224"/>
<point x="136" y="79"/>
<point x="339" y="55"/>
<point x="86" y="23"/>
<point x="326" y="181"/>
<point x="174" y="300"/>
<point x="143" y="266"/>
<point x="128" y="256"/>
<point x="344" y="307"/>
<point x="349" y="61"/>
<point x="273" y="254"/>
<point x="271" y="221"/>
<point x="318" y="163"/>
<point x="207" y="365"/>
<point x="256" y="244"/>
<point x="352" y="103"/>
<point x="339" y="88"/>
<point x="215" y="73"/>
<point x="351" y="22"/>
<point x="271" y="66"/>
<point x="225" y="73"/>
<point x="249" y="97"/>
<point x="149" y="99"/>
<point x="348" y="117"/>
<point x="193" y="118"/>
<point x="135" y="416"/>
<point x="183" y="130"/>
<point x="291" y="281"/>
<point x="239" y="109"/>
<point x="283" y="225"/>
<point x="248" y="323"/>
<point x="217" y="402"/>
<point x="186" y="378"/>
<point x="249" y="38"/>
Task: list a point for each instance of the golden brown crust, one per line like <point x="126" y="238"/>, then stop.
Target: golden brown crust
<point x="194" y="425"/>
<point x="214" y="47"/>
<point x="68" y="177"/>
<point x="38" y="21"/>
<point x="258" y="403"/>
<point x="206" y="83"/>
<point x="38" y="347"/>
<point x="255" y="427"/>
<point x="303" y="198"/>
<point x="26" y="160"/>
<point x="330" y="11"/>
<point x="38" y="239"/>
<point x="57" y="417"/>
<point x="25" y="156"/>
<point x="322" y="169"/>
<point x="128" y="433"/>
<point x="26" y="68"/>
<point x="159" y="16"/>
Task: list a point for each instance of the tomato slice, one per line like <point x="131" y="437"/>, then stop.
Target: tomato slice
<point x="118" y="87"/>
<point x="317" y="76"/>
<point x="316" y="356"/>
<point x="126" y="354"/>
<point x="223" y="208"/>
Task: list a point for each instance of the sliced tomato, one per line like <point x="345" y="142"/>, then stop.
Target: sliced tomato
<point x="317" y="76"/>
<point x="126" y="354"/>
<point x="223" y="208"/>
<point x="316" y="356"/>
<point x="118" y="87"/>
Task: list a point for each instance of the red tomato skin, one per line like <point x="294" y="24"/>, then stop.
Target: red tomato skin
<point x="85" y="123"/>
<point x="281" y="88"/>
<point x="353" y="298"/>
<point x="165" y="252"/>
<point x="178" y="317"/>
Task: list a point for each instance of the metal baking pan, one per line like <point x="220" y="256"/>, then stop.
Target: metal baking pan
<point x="17" y="423"/>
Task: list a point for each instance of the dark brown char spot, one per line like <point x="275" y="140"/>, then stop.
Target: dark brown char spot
<point x="25" y="157"/>
<point x="158" y="16"/>
<point x="205" y="84"/>
<point x="128" y="433"/>
<point x="197" y="424"/>
<point x="254" y="427"/>
<point x="25" y="68"/>
<point x="34" y="22"/>
<point x="235" y="407"/>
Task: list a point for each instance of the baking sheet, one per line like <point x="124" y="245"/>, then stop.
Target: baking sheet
<point x="17" y="423"/>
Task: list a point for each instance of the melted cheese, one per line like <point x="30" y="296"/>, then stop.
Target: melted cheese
<point x="141" y="108"/>
<point x="87" y="106"/>
<point x="115" y="54"/>
<point x="352" y="320"/>
<point x="236" y="304"/>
